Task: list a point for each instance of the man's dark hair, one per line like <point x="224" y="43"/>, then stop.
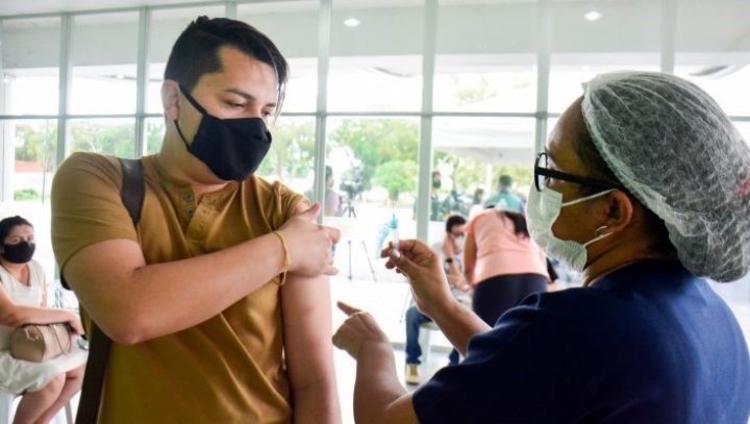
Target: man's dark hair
<point x="8" y="224"/>
<point x="452" y="221"/>
<point x="196" y="51"/>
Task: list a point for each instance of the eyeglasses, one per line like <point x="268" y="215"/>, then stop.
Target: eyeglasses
<point x="542" y="173"/>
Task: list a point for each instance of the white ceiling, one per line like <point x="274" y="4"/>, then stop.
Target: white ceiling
<point x="21" y="7"/>
<point x="17" y="7"/>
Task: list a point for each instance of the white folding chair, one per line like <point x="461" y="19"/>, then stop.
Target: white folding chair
<point x="9" y="402"/>
<point x="7" y="407"/>
<point x="425" y="331"/>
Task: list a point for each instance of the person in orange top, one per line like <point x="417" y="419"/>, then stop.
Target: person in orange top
<point x="501" y="262"/>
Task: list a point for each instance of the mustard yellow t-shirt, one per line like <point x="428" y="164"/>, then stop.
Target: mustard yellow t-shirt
<point x="227" y="369"/>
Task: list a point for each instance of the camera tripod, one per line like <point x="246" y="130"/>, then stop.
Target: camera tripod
<point x="349" y="212"/>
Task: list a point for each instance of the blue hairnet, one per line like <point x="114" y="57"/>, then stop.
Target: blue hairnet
<point x="674" y="149"/>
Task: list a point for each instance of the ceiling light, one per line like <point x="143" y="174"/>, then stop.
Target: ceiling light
<point x="352" y="22"/>
<point x="592" y="16"/>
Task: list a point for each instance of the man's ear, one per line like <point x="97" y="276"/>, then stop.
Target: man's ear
<point x="170" y="99"/>
<point x="621" y="210"/>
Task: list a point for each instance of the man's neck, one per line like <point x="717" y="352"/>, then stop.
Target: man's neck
<point x="179" y="164"/>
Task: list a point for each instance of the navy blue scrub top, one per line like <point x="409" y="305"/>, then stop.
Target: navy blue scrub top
<point x="649" y="343"/>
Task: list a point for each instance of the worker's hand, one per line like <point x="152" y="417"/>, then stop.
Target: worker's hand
<point x="425" y="271"/>
<point x="309" y="244"/>
<point x="359" y="329"/>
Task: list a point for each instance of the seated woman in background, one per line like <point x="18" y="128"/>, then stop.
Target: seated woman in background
<point x="47" y="386"/>
<point x="501" y="262"/>
<point x="644" y="187"/>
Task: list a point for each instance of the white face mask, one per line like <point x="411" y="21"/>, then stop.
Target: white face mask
<point x="542" y="209"/>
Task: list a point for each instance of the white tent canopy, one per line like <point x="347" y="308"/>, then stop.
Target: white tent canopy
<point x="495" y="141"/>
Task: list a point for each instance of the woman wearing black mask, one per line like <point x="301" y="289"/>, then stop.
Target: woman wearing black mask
<point x="47" y="386"/>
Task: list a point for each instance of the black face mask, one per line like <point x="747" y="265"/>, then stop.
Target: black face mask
<point x="231" y="148"/>
<point x="18" y="253"/>
<point x="436" y="184"/>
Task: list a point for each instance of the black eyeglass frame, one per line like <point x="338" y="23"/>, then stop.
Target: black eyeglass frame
<point x="564" y="176"/>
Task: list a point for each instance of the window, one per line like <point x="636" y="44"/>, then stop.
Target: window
<point x="715" y="56"/>
<point x="35" y="148"/>
<point x="471" y="154"/>
<point x="371" y="68"/>
<point x="374" y="165"/>
<point x="589" y="38"/>
<point x="744" y="128"/>
<point x="486" y="57"/>
<point x="154" y="134"/>
<point x="30" y="77"/>
<point x="28" y="179"/>
<point x="106" y="136"/>
<point x="373" y="159"/>
<point x="293" y="27"/>
<point x="291" y="158"/>
<point x="166" y="26"/>
<point x="104" y="78"/>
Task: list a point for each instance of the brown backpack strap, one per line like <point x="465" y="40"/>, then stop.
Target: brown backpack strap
<point x="132" y="193"/>
<point x="93" y="380"/>
<point x="133" y="187"/>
